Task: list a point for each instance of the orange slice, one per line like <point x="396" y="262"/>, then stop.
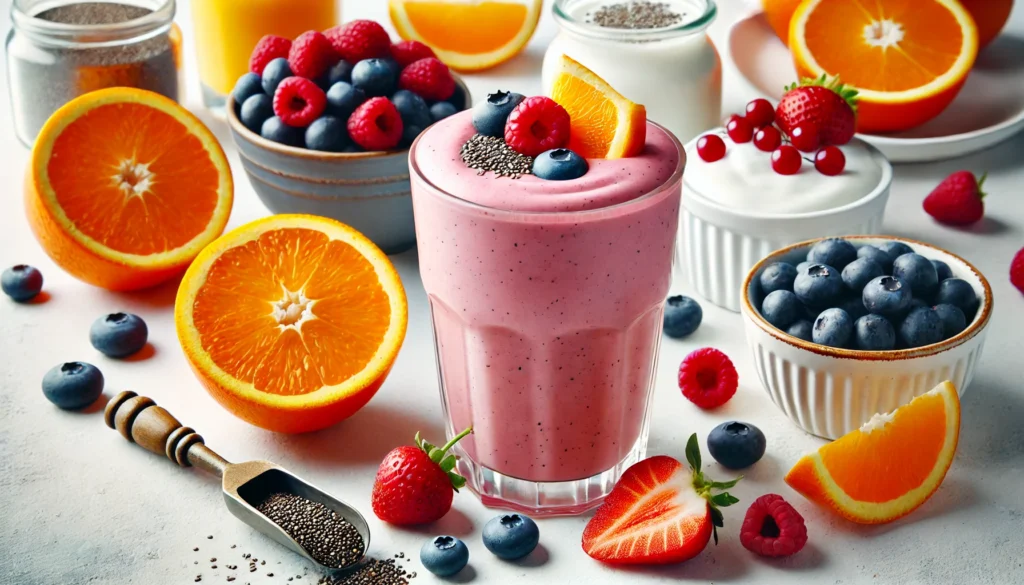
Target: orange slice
<point x="890" y="466"/>
<point x="779" y="13"/>
<point x="468" y="35"/>
<point x="907" y="58"/>
<point x="604" y="124"/>
<point x="125" y="187"/>
<point x="291" y="322"/>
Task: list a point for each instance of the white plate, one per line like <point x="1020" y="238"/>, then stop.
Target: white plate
<point x="989" y="109"/>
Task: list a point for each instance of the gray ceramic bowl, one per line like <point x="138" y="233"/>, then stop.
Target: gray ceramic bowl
<point x="367" y="190"/>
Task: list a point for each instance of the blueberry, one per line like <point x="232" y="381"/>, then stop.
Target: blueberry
<point x="73" y="386"/>
<point x="833" y="252"/>
<point x="736" y="444"/>
<point x="923" y="326"/>
<point x="887" y="295"/>
<point x="874" y="333"/>
<point x="118" y="335"/>
<point x="942" y="269"/>
<point x="247" y="86"/>
<point x="409" y="133"/>
<point x="802" y="267"/>
<point x="882" y="258"/>
<point x="458" y="98"/>
<point x="959" y="293"/>
<point x="274" y="73"/>
<point x="275" y="129"/>
<point x="490" y="115"/>
<point x="444" y="555"/>
<point x="818" y="286"/>
<point x="442" y="110"/>
<point x="853" y="305"/>
<point x="682" y="316"/>
<point x="255" y="111"/>
<point x="894" y="250"/>
<point x="22" y="283"/>
<point x="777" y="276"/>
<point x="412" y="108"/>
<point x="559" y="164"/>
<point x="860" y="272"/>
<point x="511" y="536"/>
<point x="802" y="329"/>
<point x="918" y="272"/>
<point x="781" y="308"/>
<point x="340" y="71"/>
<point x="833" y="328"/>
<point x="374" y="76"/>
<point x="953" y="319"/>
<point x="343" y="99"/>
<point x="327" y="134"/>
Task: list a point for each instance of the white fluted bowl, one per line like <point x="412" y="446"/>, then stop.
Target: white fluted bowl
<point x="829" y="392"/>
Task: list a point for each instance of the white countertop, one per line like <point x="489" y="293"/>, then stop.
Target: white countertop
<point x="79" y="505"/>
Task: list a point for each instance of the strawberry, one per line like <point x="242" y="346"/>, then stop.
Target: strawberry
<point x="415" y="485"/>
<point x="658" y="513"/>
<point x="1017" y="270"/>
<point x="957" y="200"/>
<point x="829" y="107"/>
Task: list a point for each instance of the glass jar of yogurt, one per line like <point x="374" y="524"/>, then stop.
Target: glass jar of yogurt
<point x="654" y="53"/>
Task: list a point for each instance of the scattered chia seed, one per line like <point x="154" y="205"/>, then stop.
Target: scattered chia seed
<point x="374" y="572"/>
<point x="329" y="538"/>
<point x="489" y="153"/>
<point x="638" y="14"/>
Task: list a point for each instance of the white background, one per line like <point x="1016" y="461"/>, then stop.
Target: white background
<point x="80" y="505"/>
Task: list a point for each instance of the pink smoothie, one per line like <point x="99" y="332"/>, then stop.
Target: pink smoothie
<point x="546" y="299"/>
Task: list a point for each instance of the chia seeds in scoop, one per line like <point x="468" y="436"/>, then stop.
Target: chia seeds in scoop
<point x="329" y="538"/>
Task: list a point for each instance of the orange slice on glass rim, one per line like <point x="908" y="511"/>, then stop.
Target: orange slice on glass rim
<point x="468" y="36"/>
<point x="291" y="322"/>
<point x="890" y="466"/>
<point x="604" y="124"/>
<point x="125" y="187"/>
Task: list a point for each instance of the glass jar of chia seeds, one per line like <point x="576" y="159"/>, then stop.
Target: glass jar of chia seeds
<point x="58" y="50"/>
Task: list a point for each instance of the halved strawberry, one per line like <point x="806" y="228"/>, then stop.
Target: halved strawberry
<point x="659" y="513"/>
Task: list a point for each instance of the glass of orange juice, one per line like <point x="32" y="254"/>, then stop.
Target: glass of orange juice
<point x="227" y="30"/>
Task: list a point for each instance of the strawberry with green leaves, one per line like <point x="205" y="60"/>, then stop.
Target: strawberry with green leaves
<point x="818" y="112"/>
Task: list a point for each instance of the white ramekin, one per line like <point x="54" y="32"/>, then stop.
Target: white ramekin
<point x="718" y="244"/>
<point x="829" y="392"/>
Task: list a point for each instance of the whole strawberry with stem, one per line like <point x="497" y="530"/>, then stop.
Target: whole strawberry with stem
<point x="958" y="200"/>
<point x="415" y="484"/>
<point x="824" y="105"/>
<point x="660" y="512"/>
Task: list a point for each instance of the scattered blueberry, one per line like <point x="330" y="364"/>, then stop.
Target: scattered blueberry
<point x="682" y="316"/>
<point x="777" y="276"/>
<point x="953" y="319"/>
<point x="559" y="164"/>
<point x="736" y="445"/>
<point x="860" y="272"/>
<point x="412" y="108"/>
<point x="923" y="326"/>
<point x="874" y="333"/>
<point x="274" y="73"/>
<point x="833" y="328"/>
<point x="444" y="556"/>
<point x="942" y="269"/>
<point x="275" y="129"/>
<point x="343" y="99"/>
<point x="22" y="283"/>
<point x="73" y="385"/>
<point x="818" y="286"/>
<point x="247" y="86"/>
<point x="255" y="111"/>
<point x="894" y="250"/>
<point x="118" y="335"/>
<point x="959" y="293"/>
<point x="802" y="329"/>
<point x="918" y="272"/>
<point x="340" y="71"/>
<point x="511" y="536"/>
<point x="834" y="252"/>
<point x="442" y="110"/>
<point x="854" y="306"/>
<point x="882" y="258"/>
<point x="781" y="308"/>
<point x="327" y="134"/>
<point x="490" y="115"/>
<point x="887" y="295"/>
<point x="375" y="77"/>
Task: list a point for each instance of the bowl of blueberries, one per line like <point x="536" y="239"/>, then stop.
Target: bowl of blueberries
<point x="844" y="328"/>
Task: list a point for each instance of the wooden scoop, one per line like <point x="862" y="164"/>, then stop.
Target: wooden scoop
<point x="245" y="485"/>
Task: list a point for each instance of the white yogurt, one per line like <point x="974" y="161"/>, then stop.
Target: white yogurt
<point x="744" y="179"/>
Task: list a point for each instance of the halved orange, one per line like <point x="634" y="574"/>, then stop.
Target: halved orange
<point x="990" y="16"/>
<point x="890" y="466"/>
<point x="779" y="13"/>
<point x="604" y="124"/>
<point x="125" y="187"/>
<point x="291" y="322"/>
<point x="907" y="58"/>
<point x="468" y="35"/>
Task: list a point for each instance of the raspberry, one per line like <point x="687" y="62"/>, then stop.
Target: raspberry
<point x="537" y="125"/>
<point x="1017" y="271"/>
<point x="773" y="528"/>
<point x="376" y="124"/>
<point x="428" y="78"/>
<point x="311" y="55"/>
<point x="708" y="378"/>
<point x="299" y="101"/>
<point x="269" y="48"/>
<point x="360" y="39"/>
<point x="408" y="52"/>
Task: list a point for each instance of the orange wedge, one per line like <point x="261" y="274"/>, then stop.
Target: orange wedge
<point x="890" y="466"/>
<point x="604" y="124"/>
<point x="907" y="58"/>
<point x="291" y="322"/>
<point x="468" y="35"/>
<point x="125" y="187"/>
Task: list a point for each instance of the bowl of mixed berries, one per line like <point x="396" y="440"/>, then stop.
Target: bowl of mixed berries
<point x="323" y="124"/>
<point x="843" y="328"/>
